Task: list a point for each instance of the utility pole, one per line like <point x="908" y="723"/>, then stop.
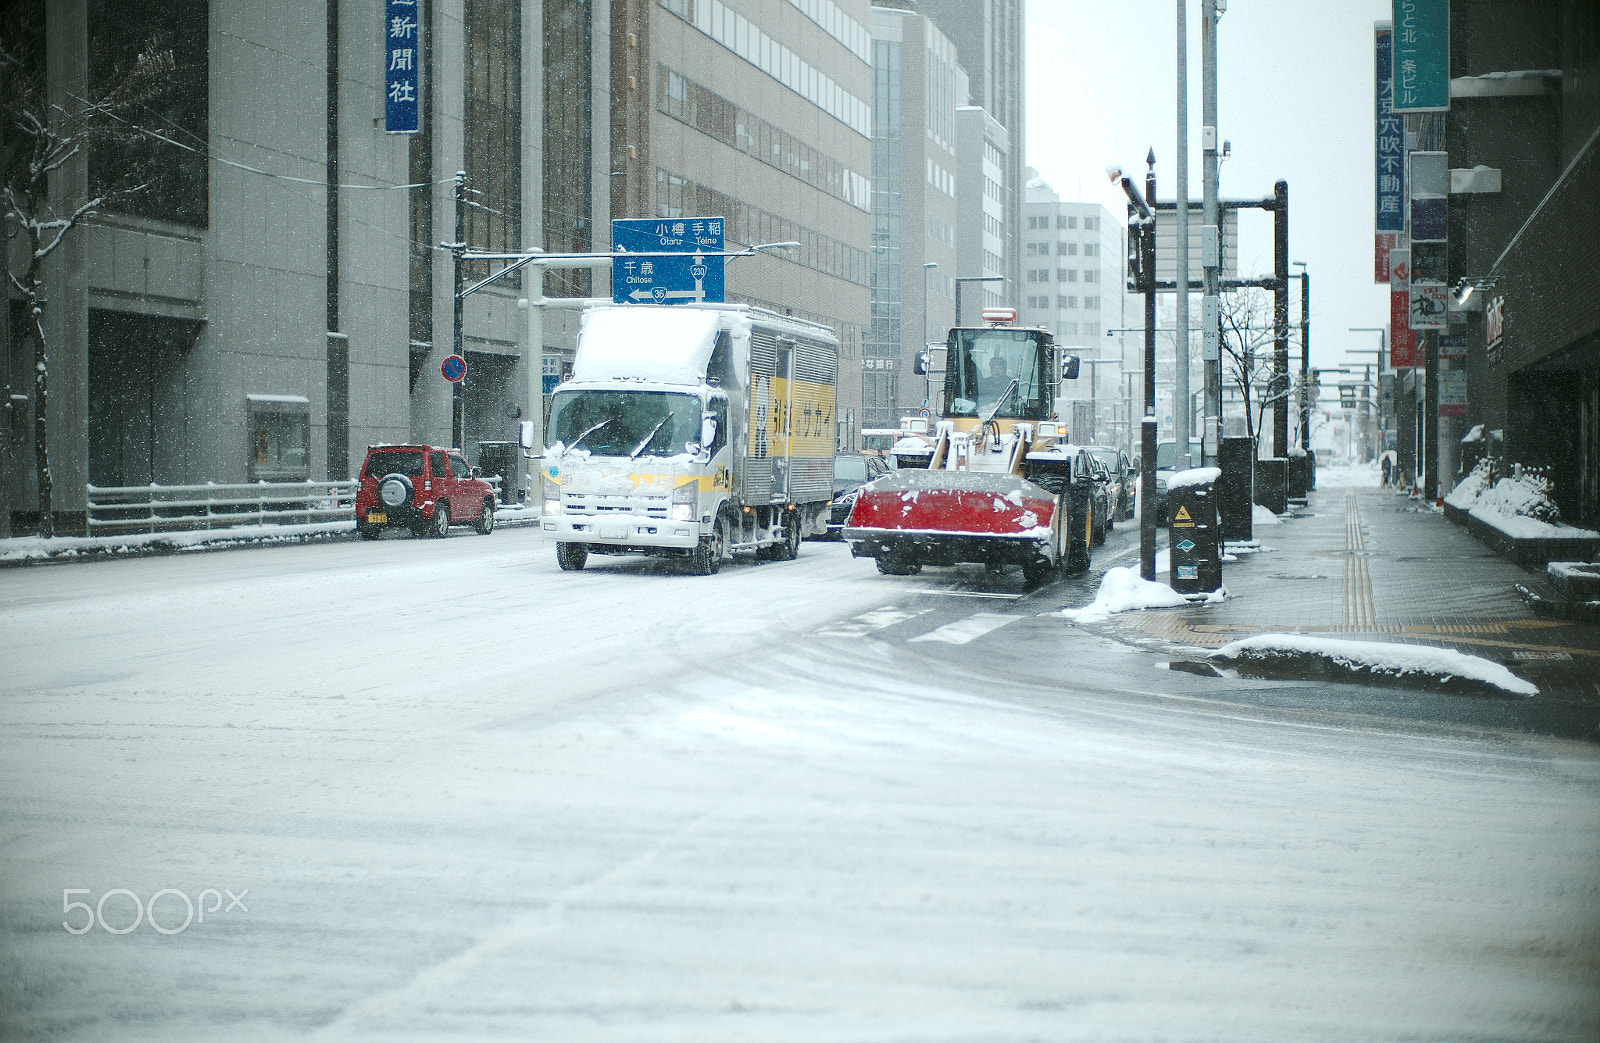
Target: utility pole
<point x="1305" y="354"/>
<point x="1280" y="321"/>
<point x="456" y="250"/>
<point x="1142" y="274"/>
<point x="1210" y="237"/>
<point x="1181" y="425"/>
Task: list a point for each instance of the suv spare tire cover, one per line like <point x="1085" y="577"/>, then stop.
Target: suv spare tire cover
<point x="395" y="490"/>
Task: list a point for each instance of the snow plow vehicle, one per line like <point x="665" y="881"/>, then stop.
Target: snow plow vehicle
<point x="694" y="431"/>
<point x="997" y="481"/>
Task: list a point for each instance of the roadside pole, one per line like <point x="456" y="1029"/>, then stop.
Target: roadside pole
<point x="1210" y="238"/>
<point x="1142" y="275"/>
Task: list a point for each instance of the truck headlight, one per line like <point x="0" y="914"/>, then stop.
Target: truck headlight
<point x="685" y="498"/>
<point x="551" y="495"/>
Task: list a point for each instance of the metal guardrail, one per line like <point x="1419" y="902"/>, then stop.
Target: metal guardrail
<point x="173" y="508"/>
<point x="176" y="508"/>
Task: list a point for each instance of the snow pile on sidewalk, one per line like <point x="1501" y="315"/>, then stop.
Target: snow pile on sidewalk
<point x="1260" y="515"/>
<point x="1520" y="506"/>
<point x="66" y="548"/>
<point x="1305" y="656"/>
<point x="1124" y="590"/>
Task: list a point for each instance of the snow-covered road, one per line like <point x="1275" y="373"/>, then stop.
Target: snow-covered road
<point x="470" y="796"/>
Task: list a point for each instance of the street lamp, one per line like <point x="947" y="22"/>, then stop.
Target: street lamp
<point x="1305" y="354"/>
<point x="972" y="278"/>
<point x="927" y="378"/>
<point x="1383" y="364"/>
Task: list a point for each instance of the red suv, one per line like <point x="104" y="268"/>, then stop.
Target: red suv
<point x="422" y="488"/>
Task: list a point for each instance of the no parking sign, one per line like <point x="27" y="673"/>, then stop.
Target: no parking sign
<point x="453" y="368"/>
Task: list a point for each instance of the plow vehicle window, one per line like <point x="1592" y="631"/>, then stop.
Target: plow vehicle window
<point x="983" y="365"/>
<point x="626" y="423"/>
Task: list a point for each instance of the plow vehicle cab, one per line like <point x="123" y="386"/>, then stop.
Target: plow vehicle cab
<point x="997" y="480"/>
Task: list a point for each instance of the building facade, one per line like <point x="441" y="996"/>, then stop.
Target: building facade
<point x="758" y="112"/>
<point x="279" y="300"/>
<point x="1072" y="284"/>
<point x="917" y="87"/>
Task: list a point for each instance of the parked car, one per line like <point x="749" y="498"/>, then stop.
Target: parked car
<point x="1124" y="480"/>
<point x="422" y="488"/>
<point x="850" y="472"/>
<point x="1101" y="500"/>
<point x="1166" y="466"/>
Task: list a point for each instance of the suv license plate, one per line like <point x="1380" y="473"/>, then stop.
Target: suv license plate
<point x="376" y="518"/>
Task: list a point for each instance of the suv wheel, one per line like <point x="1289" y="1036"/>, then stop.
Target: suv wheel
<point x="485" y="523"/>
<point x="369" y="532"/>
<point x="441" y="521"/>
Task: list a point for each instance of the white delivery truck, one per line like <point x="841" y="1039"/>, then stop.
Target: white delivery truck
<point x="690" y="430"/>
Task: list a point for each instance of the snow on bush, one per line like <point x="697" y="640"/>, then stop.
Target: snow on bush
<point x="1526" y="494"/>
<point x="1467" y="491"/>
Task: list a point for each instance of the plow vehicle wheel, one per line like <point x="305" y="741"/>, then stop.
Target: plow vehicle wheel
<point x="896" y="563"/>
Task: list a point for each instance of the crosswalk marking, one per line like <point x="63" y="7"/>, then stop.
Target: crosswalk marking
<point x="870" y="622"/>
<point x="964" y="630"/>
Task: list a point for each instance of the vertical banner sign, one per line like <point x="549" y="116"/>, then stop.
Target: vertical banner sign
<point x="1402" y="342"/>
<point x="401" y="33"/>
<point x="1428" y="181"/>
<point x="1421" y="55"/>
<point x="1390" y="143"/>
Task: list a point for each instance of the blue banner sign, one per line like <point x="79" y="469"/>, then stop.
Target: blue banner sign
<point x="1421" y="55"/>
<point x="682" y="269"/>
<point x="402" y="106"/>
<point x="1391" y="140"/>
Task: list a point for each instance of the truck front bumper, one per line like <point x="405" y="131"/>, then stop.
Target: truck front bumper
<point x="623" y="532"/>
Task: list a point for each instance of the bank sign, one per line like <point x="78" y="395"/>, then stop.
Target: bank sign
<point x="679" y="260"/>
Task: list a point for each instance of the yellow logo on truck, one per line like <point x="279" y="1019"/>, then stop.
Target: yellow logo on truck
<point x="793" y="418"/>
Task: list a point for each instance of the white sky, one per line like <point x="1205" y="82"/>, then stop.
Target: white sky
<point x="1294" y="97"/>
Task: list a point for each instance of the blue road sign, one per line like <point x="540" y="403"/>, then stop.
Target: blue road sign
<point x="692" y="277"/>
<point x="453" y="368"/>
<point x="402" y="103"/>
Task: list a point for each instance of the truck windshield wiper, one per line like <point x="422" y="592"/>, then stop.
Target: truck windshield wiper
<point x="589" y="431"/>
<point x="994" y="409"/>
<point x="640" y="447"/>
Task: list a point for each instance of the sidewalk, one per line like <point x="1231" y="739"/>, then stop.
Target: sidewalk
<point x="1370" y="564"/>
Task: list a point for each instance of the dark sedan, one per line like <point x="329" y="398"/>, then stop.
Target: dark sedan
<point x="850" y="472"/>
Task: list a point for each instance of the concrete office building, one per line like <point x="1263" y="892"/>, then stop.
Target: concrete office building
<point x="276" y="302"/>
<point x="983" y="153"/>
<point x="917" y="87"/>
<point x="758" y="112"/>
<point x="988" y="35"/>
<point x="1072" y="283"/>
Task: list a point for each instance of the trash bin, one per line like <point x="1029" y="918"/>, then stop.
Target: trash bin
<point x="503" y="459"/>
<point x="1236" y="488"/>
<point x="1272" y="484"/>
<point x="1299" y="474"/>
<point x="1194" y="530"/>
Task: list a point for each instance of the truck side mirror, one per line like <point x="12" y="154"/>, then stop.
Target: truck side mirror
<point x="1069" y="368"/>
<point x="708" y="432"/>
<point x="525" y="435"/>
<point x="920" y="365"/>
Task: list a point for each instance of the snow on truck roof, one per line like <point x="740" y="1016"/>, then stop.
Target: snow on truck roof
<point x="667" y="344"/>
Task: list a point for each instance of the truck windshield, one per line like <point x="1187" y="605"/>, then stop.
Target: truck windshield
<point x="983" y="363"/>
<point x="625" y="423"/>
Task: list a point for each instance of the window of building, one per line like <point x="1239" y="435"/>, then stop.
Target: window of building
<point x="1063" y="221"/>
<point x="176" y="174"/>
<point x="1069" y="329"/>
<point x="1091" y="249"/>
<point x="492" y="37"/>
<point x="280" y="438"/>
<point x="1091" y="224"/>
<point x="1091" y="276"/>
<point x="1066" y="275"/>
<point x="1091" y="303"/>
<point x="1066" y="302"/>
<point x="1091" y="329"/>
<point x="1067" y="249"/>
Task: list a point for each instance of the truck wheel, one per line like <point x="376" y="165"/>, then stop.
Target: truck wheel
<point x="706" y="557"/>
<point x="571" y="556"/>
<point x="1038" y="572"/>
<point x="789" y="549"/>
<point x="898" y="563"/>
<point x="1078" y="554"/>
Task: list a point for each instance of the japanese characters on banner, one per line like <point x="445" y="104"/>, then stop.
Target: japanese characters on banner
<point x="1421" y="55"/>
<point x="1429" y="184"/>
<point x="402" y="106"/>
<point x="1390" y="165"/>
<point x="1402" y="341"/>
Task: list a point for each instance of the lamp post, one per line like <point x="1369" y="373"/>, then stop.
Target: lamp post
<point x="972" y="278"/>
<point x="1305" y="355"/>
<point x="927" y="378"/>
<point x="1383" y="364"/>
